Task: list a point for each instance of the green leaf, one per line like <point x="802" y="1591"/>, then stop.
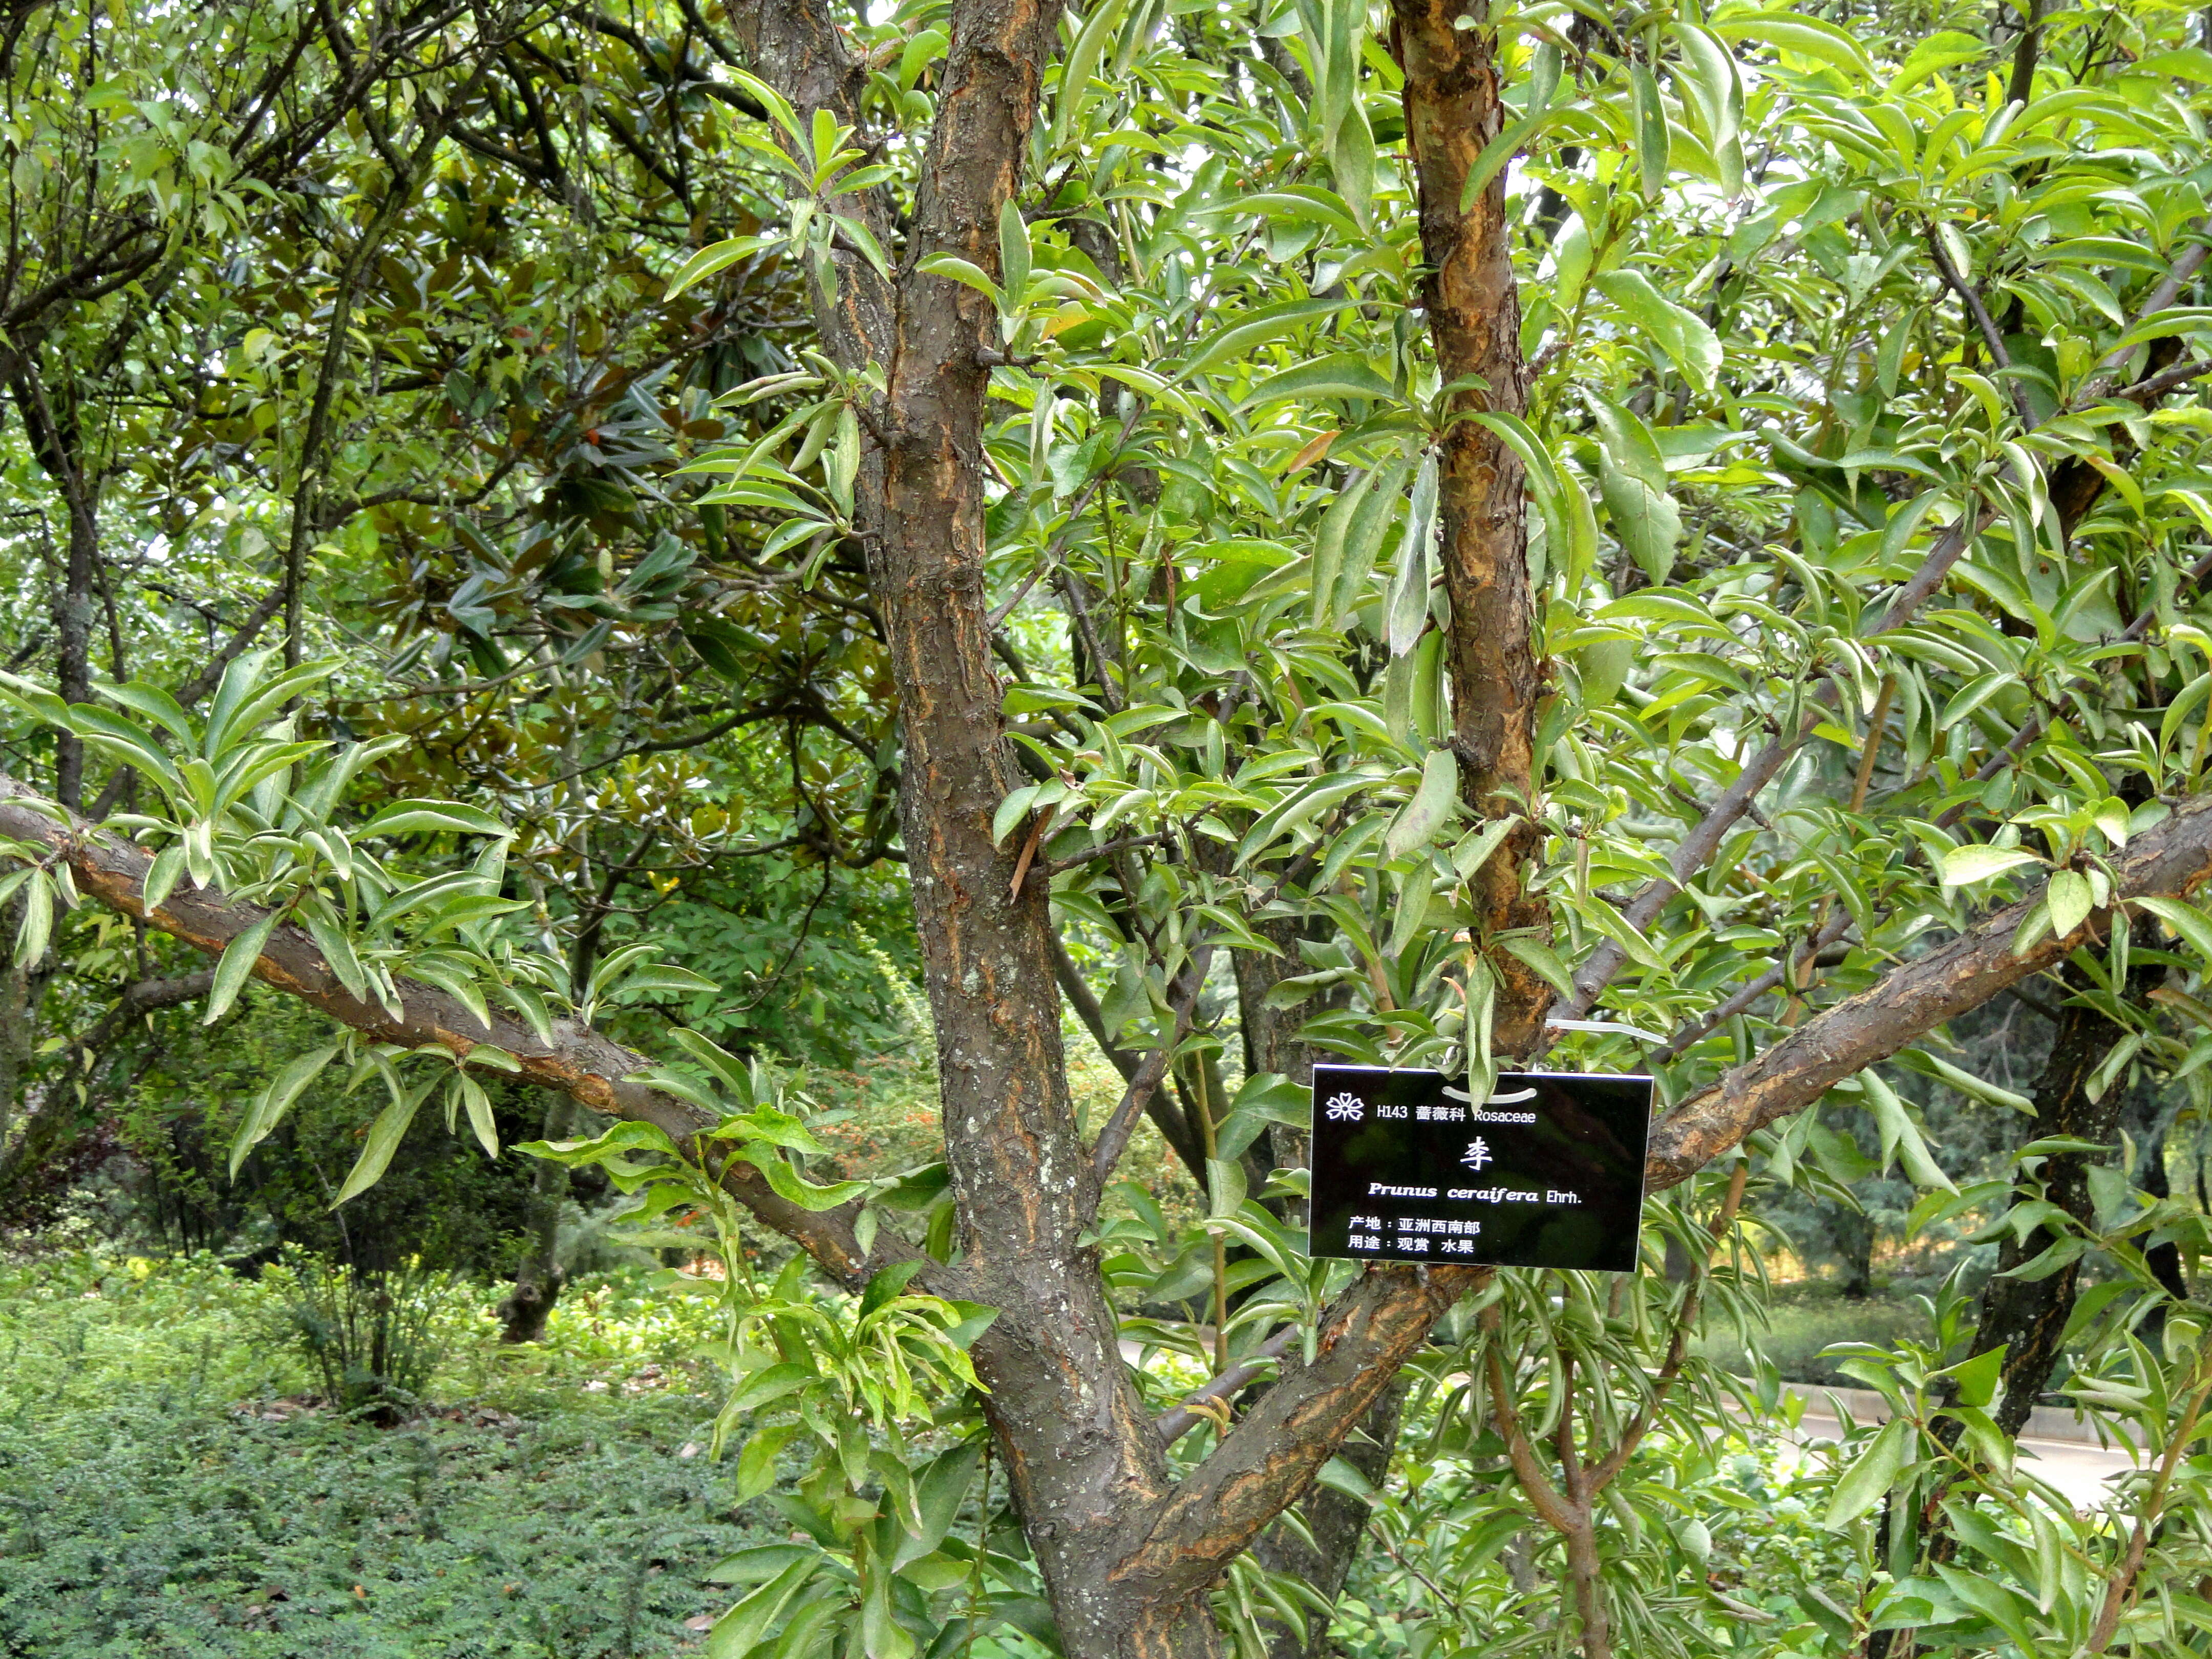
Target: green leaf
<point x="1548" y="963"/>
<point x="2070" y="901"/>
<point x="428" y="817"/>
<point x="713" y="258"/>
<point x="1651" y="141"/>
<point x="1901" y="1135"/>
<point x="2191" y="924"/>
<point x="746" y="1627"/>
<point x="337" y="950"/>
<point x="162" y="878"/>
<point x="966" y="271"/>
<point x="1677" y="330"/>
<point x="1267" y="323"/>
<point x="794" y="1187"/>
<point x="1344" y="375"/>
<point x="1808" y="36"/>
<point x="271" y="1105"/>
<point x="755" y="1474"/>
<point x="1371" y="519"/>
<point x="1013" y="253"/>
<point x="665" y="977"/>
<point x="1330" y="543"/>
<point x="480" y="1116"/>
<point x="1407" y="608"/>
<point x="236" y="966"/>
<point x="385" y="1134"/>
<point x="1431" y="806"/>
<point x="1632" y="479"/>
<point x="1869" y="1481"/>
<point x="1965" y="865"/>
<point x="1978" y="1378"/>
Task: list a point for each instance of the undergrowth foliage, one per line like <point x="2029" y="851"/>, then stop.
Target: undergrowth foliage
<point x="1851" y="462"/>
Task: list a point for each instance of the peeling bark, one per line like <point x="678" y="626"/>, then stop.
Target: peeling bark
<point x="1842" y="1040"/>
<point x="1454" y="107"/>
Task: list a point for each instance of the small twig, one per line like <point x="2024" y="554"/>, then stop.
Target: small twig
<point x="2158" y="385"/>
<point x="2121" y="1589"/>
<point x="1971" y="300"/>
<point x="1171" y="1425"/>
<point x="1113" y="1139"/>
<point x="1054" y="866"/>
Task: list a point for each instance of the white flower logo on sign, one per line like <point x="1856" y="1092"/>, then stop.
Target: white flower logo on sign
<point x="1346" y="1108"/>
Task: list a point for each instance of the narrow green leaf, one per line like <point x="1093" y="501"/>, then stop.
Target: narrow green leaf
<point x="1431" y="806"/>
<point x="1407" y="610"/>
<point x="2070" y="901"/>
<point x="420" y="816"/>
<point x="232" y="972"/>
<point x="1869" y="1479"/>
<point x="1013" y="254"/>
<point x="271" y="1105"/>
<point x="1651" y="141"/>
<point x="161" y="877"/>
<point x="1965" y="865"/>
<point x="385" y="1134"/>
<point x="480" y="1117"/>
<point x="2191" y="924"/>
<point x="1330" y="543"/>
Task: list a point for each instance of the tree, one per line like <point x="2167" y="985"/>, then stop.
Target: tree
<point x="1211" y="375"/>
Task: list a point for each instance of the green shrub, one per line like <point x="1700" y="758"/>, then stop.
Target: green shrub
<point x="164" y="1490"/>
<point x="371" y="1337"/>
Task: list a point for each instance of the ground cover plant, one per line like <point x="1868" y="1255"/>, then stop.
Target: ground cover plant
<point x="170" y="1486"/>
<point x="578" y="561"/>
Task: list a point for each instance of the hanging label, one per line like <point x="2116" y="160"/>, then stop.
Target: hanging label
<point x="1548" y="1172"/>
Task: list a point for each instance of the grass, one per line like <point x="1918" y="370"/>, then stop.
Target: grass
<point x="162" y="1493"/>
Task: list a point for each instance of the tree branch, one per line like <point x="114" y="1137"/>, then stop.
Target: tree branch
<point x="1696" y="850"/>
<point x="579" y="1062"/>
<point x="1845" y="1039"/>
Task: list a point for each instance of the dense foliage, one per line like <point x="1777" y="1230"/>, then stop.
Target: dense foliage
<point x="1421" y="532"/>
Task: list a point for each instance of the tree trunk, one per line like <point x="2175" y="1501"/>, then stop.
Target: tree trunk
<point x="538" y="1279"/>
<point x="1454" y="107"/>
<point x="1076" y="1441"/>
<point x="2025" y="1317"/>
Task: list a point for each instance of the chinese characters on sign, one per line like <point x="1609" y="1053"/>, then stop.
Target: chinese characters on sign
<point x="1547" y="1172"/>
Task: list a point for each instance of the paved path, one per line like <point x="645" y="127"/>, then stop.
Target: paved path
<point x="2078" y="1469"/>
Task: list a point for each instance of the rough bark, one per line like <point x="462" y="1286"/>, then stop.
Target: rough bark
<point x="1844" y="1039"/>
<point x="1453" y="108"/>
<point x="1076" y="1441"/>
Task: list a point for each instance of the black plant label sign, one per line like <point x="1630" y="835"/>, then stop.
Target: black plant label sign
<point x="1547" y="1172"/>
